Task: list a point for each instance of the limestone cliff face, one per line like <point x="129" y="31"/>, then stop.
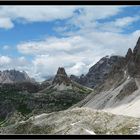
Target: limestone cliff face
<point x="99" y="72"/>
<point x="136" y="52"/>
<point x="133" y="60"/>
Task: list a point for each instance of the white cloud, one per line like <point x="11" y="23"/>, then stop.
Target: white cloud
<point x="76" y="53"/>
<point x="77" y="69"/>
<point x="83" y="52"/>
<point x="46" y="65"/>
<point x="33" y="14"/>
<point x="125" y="21"/>
<point x="80" y="49"/>
<point x="50" y="45"/>
<point x="19" y="63"/>
<point x="4" y="60"/>
<point x="6" y="23"/>
<point x="90" y="14"/>
<point x="118" y="24"/>
<point x="27" y="14"/>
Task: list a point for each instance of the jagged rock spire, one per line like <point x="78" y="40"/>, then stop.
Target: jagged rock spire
<point x="61" y="71"/>
<point x="61" y="77"/>
<point x="137" y="47"/>
<point x="129" y="54"/>
<point x="133" y="59"/>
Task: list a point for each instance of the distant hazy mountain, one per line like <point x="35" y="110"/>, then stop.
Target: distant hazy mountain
<point x="14" y="76"/>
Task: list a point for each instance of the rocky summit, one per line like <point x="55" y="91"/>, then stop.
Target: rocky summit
<point x="136" y="52"/>
<point x="133" y="60"/>
<point x="99" y="72"/>
<point x="61" y="77"/>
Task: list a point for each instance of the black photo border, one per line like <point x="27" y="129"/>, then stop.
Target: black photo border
<point x="68" y="3"/>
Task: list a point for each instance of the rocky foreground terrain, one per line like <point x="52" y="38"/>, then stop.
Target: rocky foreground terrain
<point x="75" y="121"/>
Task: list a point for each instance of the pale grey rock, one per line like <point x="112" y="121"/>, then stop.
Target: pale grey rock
<point x="78" y="121"/>
<point x="99" y="72"/>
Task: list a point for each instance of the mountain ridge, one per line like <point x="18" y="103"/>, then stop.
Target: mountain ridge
<point x="120" y="92"/>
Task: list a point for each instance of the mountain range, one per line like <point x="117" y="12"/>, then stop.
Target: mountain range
<point x="104" y="101"/>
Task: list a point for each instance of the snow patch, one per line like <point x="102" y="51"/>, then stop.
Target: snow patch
<point x="125" y="72"/>
<point x="128" y="77"/>
<point x="74" y="123"/>
<point x="22" y="122"/>
<point x="89" y="131"/>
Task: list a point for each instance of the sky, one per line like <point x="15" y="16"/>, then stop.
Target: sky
<point x="39" y="39"/>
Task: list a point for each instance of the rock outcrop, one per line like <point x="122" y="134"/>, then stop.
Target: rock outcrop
<point x="129" y="55"/>
<point x="61" y="77"/>
<point x="136" y="52"/>
<point x="133" y="60"/>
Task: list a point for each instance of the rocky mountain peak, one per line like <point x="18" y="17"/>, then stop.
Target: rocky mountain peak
<point x="98" y="73"/>
<point x="61" y="77"/>
<point x="129" y="54"/>
<point x="136" y="52"/>
<point x="133" y="60"/>
<point x="137" y="47"/>
<point x="61" y="71"/>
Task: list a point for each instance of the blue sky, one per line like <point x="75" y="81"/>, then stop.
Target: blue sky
<point x="39" y="39"/>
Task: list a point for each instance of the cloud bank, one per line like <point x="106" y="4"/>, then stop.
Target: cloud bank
<point x="76" y="50"/>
